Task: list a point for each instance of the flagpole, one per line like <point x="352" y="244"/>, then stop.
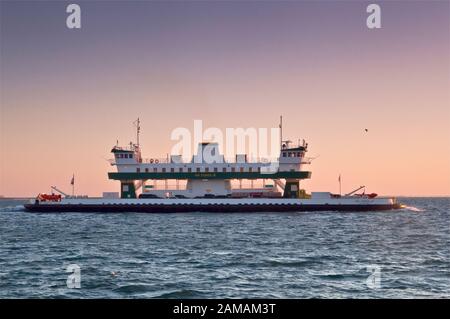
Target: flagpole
<point x="340" y="186"/>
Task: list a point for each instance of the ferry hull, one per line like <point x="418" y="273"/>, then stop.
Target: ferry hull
<point x="219" y="208"/>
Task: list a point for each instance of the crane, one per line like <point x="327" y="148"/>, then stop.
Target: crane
<point x="59" y="191"/>
<point x="352" y="192"/>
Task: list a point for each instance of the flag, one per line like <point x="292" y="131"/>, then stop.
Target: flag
<point x="72" y="181"/>
<point x="339" y="179"/>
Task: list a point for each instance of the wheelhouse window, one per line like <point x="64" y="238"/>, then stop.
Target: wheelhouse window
<point x="138" y="169"/>
<point x="163" y="169"/>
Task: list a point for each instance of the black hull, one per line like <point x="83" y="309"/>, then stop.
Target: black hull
<point x="219" y="208"/>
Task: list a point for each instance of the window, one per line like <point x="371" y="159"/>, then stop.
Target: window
<point x="241" y="169"/>
<point x="198" y="169"/>
<point x="259" y="169"/>
<point x="284" y="154"/>
<point x="189" y="169"/>
<point x="290" y="154"/>
<point x="224" y="169"/>
<point x="215" y="169"/>
<point x="146" y="170"/>
<point x="172" y="170"/>
<point x="299" y="154"/>
<point x="233" y="169"/>
<point x="138" y="169"/>
<point x="163" y="169"/>
<point x="250" y="169"/>
<point x="181" y="169"/>
<point x="155" y="169"/>
<point x="206" y="169"/>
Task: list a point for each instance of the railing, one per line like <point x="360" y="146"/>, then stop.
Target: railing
<point x="232" y="160"/>
<point x="130" y="147"/>
<point x="254" y="160"/>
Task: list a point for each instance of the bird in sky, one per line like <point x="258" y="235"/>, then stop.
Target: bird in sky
<point x="366" y="130"/>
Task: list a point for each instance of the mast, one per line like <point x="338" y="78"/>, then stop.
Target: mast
<point x="281" y="132"/>
<point x="138" y="130"/>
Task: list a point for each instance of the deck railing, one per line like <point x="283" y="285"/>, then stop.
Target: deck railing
<point x="254" y="160"/>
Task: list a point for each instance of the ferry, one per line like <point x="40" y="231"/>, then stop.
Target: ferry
<point x="208" y="184"/>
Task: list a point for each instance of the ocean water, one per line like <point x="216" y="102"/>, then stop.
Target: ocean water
<point x="396" y="254"/>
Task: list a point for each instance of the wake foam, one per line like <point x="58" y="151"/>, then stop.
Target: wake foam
<point x="413" y="209"/>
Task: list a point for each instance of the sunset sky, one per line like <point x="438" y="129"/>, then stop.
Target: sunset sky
<point x="67" y="95"/>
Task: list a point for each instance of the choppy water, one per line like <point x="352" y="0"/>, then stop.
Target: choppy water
<point x="201" y="255"/>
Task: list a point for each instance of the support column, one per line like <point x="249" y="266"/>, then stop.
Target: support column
<point x="127" y="189"/>
<point x="292" y="188"/>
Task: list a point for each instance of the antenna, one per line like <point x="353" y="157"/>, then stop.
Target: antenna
<point x="281" y="132"/>
<point x="138" y="130"/>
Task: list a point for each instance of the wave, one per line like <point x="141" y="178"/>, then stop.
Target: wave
<point x="15" y="208"/>
<point x="289" y="262"/>
<point x="413" y="209"/>
<point x="182" y="293"/>
<point x="133" y="288"/>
